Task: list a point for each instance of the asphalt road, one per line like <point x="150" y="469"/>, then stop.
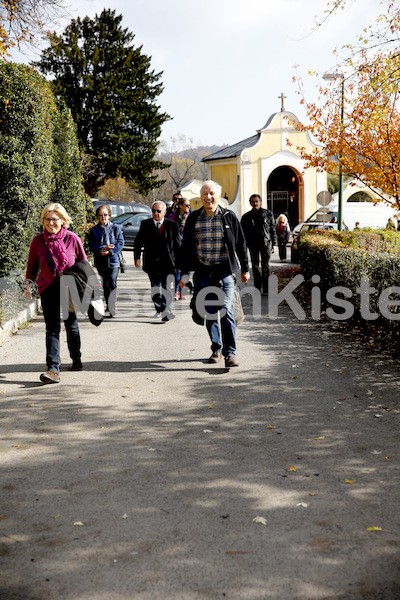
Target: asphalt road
<point x="143" y="476"/>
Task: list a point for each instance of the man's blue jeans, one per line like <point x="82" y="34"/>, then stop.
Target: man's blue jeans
<point x="227" y="329"/>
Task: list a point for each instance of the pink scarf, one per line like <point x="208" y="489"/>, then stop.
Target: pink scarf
<point x="56" y="246"/>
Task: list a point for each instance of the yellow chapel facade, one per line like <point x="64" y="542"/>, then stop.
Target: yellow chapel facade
<point x="265" y="164"/>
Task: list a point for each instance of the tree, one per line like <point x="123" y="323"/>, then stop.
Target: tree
<point x="184" y="160"/>
<point x="366" y="137"/>
<point x="117" y="190"/>
<point x="24" y="20"/>
<point x="111" y="91"/>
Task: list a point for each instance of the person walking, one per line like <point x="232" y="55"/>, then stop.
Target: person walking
<point x="212" y="238"/>
<point x="159" y="240"/>
<point x="179" y="216"/>
<point x="50" y="253"/>
<point x="282" y="234"/>
<point x="106" y="241"/>
<point x="259" y="229"/>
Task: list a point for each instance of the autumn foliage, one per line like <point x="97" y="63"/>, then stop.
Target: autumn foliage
<point x="356" y="118"/>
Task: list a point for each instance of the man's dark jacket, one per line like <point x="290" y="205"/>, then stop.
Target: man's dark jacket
<point x="234" y="242"/>
<point x="259" y="228"/>
<point x="160" y="251"/>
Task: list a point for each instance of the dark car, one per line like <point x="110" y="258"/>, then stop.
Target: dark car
<point x="120" y="219"/>
<point x="131" y="226"/>
<point x="307" y="226"/>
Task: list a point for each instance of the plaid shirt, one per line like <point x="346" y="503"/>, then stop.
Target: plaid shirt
<point x="209" y="238"/>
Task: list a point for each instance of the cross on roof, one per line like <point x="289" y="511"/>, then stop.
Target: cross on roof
<point x="282" y="97"/>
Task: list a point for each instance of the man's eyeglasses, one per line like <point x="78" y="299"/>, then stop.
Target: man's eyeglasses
<point x="188" y="205"/>
<point x="157" y="210"/>
<point x="51" y="220"/>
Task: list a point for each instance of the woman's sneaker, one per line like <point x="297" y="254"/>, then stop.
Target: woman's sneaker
<point x="50" y="377"/>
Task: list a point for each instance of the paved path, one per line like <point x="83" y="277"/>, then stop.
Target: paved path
<point x="141" y="476"/>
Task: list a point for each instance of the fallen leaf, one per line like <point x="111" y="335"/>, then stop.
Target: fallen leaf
<point x="374" y="529"/>
<point x="271" y="427"/>
<point x="303" y="504"/>
<point x="321" y="437"/>
<point x="309" y="389"/>
<point x="239" y="551"/>
<point x="208" y="431"/>
<point x="129" y="386"/>
<point x="293" y="377"/>
<point x="79" y="524"/>
<point x="291" y="469"/>
<point x="378" y="416"/>
<point x="349" y="481"/>
<point x="312" y="494"/>
<point x="260" y="520"/>
<point x="210" y="406"/>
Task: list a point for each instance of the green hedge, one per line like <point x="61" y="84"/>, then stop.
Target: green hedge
<point x="39" y="163"/>
<point x="344" y="258"/>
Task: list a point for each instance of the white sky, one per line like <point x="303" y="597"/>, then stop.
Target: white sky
<point x="225" y="62"/>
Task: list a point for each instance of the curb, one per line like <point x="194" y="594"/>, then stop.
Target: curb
<point x="10" y="327"/>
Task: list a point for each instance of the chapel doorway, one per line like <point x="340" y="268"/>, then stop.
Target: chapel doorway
<point x="285" y="194"/>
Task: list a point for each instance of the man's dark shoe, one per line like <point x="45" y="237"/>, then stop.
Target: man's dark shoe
<point x="76" y="365"/>
<point x="230" y="361"/>
<point x="50" y="377"/>
<point x="168" y="317"/>
<point x="215" y="357"/>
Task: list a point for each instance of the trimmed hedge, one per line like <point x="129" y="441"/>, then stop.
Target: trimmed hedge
<point x="344" y="258"/>
<point x="39" y="161"/>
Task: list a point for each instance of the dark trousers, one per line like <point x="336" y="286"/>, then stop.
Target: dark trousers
<point x="282" y="250"/>
<point x="260" y="264"/>
<point x="50" y="299"/>
<point x="109" y="277"/>
<point x="161" y="292"/>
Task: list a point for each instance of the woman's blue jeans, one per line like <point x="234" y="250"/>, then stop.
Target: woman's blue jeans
<point x="50" y="299"/>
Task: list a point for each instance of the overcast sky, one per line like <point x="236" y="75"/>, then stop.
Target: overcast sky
<point x="225" y="62"/>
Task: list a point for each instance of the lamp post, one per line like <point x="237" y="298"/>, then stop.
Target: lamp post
<point x="340" y="202"/>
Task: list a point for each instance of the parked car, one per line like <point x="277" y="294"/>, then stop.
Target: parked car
<point x="119" y="208"/>
<point x="307" y="226"/>
<point x="131" y="226"/>
<point x="120" y="219"/>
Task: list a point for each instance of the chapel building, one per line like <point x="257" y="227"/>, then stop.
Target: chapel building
<point x="265" y="164"/>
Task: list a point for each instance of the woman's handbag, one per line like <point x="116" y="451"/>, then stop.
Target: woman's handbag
<point x="122" y="263"/>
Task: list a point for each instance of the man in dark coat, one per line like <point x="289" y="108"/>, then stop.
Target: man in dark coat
<point x="159" y="240"/>
<point x="259" y="229"/>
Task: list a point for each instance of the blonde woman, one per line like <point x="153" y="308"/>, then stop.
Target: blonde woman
<point x="50" y="253"/>
<point x="282" y="234"/>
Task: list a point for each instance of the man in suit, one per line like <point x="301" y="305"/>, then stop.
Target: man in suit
<point x="159" y="240"/>
<point x="258" y="226"/>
